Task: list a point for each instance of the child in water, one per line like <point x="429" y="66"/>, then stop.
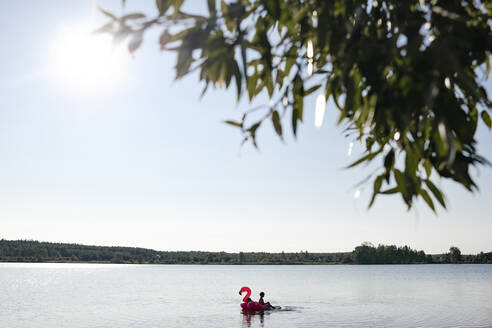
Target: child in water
<point x="262" y="301"/>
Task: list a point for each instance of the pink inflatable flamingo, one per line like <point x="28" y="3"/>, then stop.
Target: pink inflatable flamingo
<point x="252" y="306"/>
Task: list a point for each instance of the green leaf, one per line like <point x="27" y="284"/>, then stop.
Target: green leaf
<point x="436" y="192"/>
<point x="272" y="7"/>
<point x="291" y="57"/>
<point x="367" y="157"/>
<point x="204" y="90"/>
<point x="311" y="90"/>
<point x="369" y="142"/>
<point x="223" y="7"/>
<point x="184" y="62"/>
<point x="251" y="85"/>
<point x="178" y="3"/>
<point x="234" y="123"/>
<point x="389" y="160"/>
<point x="402" y="187"/>
<point x="230" y="12"/>
<point x="212" y="9"/>
<point x="237" y="77"/>
<point x="474" y="114"/>
<point x="298" y="15"/>
<point x="411" y="164"/>
<point x="486" y="119"/>
<point x="487" y="66"/>
<point x="428" y="168"/>
<point x="378" y="182"/>
<point x="298" y="92"/>
<point x="279" y="79"/>
<point x="295" y="118"/>
<point x="390" y="191"/>
<point x="276" y="123"/>
<point x="298" y="104"/>
<point x="252" y="132"/>
<point x="269" y="84"/>
<point x="163" y="6"/>
<point x="254" y="127"/>
<point x="427" y="198"/>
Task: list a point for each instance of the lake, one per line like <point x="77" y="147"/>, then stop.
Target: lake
<point x="107" y="295"/>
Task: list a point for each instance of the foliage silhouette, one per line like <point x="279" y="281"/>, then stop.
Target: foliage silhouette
<point x="406" y="75"/>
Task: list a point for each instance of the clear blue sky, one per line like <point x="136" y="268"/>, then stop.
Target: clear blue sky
<point x="144" y="162"/>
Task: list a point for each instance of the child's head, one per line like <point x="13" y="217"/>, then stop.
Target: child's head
<point x="249" y="300"/>
<point x="262" y="294"/>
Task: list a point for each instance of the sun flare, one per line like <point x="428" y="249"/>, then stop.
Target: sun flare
<point x="85" y="62"/>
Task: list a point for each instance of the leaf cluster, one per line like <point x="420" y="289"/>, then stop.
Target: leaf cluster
<point x="405" y="75"/>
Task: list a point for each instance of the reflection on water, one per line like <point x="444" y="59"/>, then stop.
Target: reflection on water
<point x="124" y="296"/>
<point x="257" y="317"/>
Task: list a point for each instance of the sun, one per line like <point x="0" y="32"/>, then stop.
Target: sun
<point x="84" y="62"/>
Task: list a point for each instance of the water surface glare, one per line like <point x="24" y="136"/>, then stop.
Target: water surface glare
<point x="123" y="296"/>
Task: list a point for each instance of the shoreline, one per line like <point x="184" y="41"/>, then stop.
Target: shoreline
<point x="31" y="251"/>
<point x="231" y="264"/>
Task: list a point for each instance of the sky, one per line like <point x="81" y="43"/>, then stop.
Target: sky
<point x="127" y="156"/>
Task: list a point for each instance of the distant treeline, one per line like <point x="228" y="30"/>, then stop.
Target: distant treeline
<point x="383" y="254"/>
<point x="34" y="251"/>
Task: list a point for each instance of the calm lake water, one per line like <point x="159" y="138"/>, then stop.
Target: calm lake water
<point x="93" y="295"/>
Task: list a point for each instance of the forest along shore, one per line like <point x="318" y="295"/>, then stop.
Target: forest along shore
<point x="35" y="251"/>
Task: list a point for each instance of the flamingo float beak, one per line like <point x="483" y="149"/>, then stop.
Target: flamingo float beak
<point x="239" y="293"/>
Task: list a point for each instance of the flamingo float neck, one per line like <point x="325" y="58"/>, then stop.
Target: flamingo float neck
<point x="246" y="290"/>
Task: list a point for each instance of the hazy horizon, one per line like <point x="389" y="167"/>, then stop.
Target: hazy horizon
<point x="119" y="154"/>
